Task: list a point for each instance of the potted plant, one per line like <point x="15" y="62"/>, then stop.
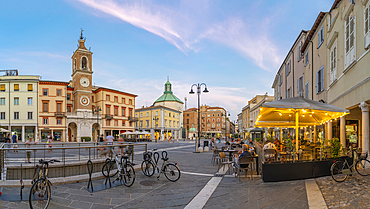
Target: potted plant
<point x="336" y="148"/>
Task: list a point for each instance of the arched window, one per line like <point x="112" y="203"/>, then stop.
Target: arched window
<point x="84" y="62"/>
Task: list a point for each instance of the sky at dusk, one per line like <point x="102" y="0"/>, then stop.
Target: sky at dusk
<point x="235" y="47"/>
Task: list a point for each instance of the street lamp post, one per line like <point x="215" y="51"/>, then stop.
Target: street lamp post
<point x="97" y="110"/>
<point x="198" y="92"/>
<point x="227" y="113"/>
<point x="156" y="125"/>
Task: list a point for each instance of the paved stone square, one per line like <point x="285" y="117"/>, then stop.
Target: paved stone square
<point x="197" y="171"/>
<point x="354" y="192"/>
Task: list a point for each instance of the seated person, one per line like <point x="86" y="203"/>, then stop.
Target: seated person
<point x="269" y="146"/>
<point x="245" y="153"/>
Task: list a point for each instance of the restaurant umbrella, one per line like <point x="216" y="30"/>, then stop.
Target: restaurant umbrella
<point x="297" y="112"/>
<point x="4" y="130"/>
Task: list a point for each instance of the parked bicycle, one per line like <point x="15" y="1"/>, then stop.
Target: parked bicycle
<point x="341" y="168"/>
<point x="149" y="166"/>
<point x="122" y="166"/>
<point x="40" y="192"/>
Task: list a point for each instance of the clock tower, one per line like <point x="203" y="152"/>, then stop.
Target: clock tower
<point x="82" y="77"/>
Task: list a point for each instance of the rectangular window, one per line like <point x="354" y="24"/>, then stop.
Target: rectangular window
<point x="115" y="123"/>
<point x="141" y="114"/>
<point x="156" y="113"/>
<point x="45" y="121"/>
<point x="59" y="92"/>
<point x="108" y="122"/>
<point x="306" y="91"/>
<point x="300" y="85"/>
<point x="2" y="115"/>
<point x="320" y="39"/>
<point x="147" y="114"/>
<point x="123" y="111"/>
<point x="123" y="100"/>
<point x="333" y="62"/>
<point x="320" y="80"/>
<point x="165" y="123"/>
<point x="30" y="87"/>
<point x="69" y="109"/>
<point x="2" y="101"/>
<point x="287" y="68"/>
<point x="306" y="59"/>
<point x="130" y="113"/>
<point x="16" y="87"/>
<point x="108" y="98"/>
<point x="59" y="107"/>
<point x="29" y="101"/>
<point x="115" y="99"/>
<point x="68" y="96"/>
<point x="29" y="115"/>
<point x="16" y="100"/>
<point x="108" y="110"/>
<point x="59" y="121"/>
<point x="147" y="123"/>
<point x="116" y="111"/>
<point x="350" y="42"/>
<point x="130" y="102"/>
<point x="45" y="107"/>
<point x="2" y="87"/>
<point x="16" y="115"/>
<point x="44" y="92"/>
<point x="123" y="123"/>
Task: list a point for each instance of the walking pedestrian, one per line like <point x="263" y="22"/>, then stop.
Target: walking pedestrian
<point x="29" y="152"/>
<point x="109" y="141"/>
<point x="50" y="140"/>
<point x="8" y="141"/>
<point x="15" y="141"/>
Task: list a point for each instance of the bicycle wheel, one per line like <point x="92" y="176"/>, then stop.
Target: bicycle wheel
<point x="113" y="170"/>
<point x="172" y="172"/>
<point x="129" y="175"/>
<point x="363" y="167"/>
<point x="40" y="194"/>
<point x="336" y="171"/>
<point x="147" y="168"/>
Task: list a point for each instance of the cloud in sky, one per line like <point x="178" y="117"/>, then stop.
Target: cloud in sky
<point x="186" y="25"/>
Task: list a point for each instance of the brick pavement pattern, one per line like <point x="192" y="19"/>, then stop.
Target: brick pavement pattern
<point x="354" y="192"/>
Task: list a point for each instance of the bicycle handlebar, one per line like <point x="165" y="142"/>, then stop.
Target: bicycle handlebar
<point x="41" y="161"/>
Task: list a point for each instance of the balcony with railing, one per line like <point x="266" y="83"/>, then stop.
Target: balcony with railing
<point x="108" y="116"/>
<point x="132" y="119"/>
<point x="60" y="114"/>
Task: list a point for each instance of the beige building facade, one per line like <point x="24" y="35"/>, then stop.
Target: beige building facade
<point x="18" y="105"/>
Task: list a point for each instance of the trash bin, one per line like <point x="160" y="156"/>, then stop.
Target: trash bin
<point x="205" y="144"/>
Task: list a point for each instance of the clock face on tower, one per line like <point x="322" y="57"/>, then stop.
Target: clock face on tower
<point x="84" y="100"/>
<point x="84" y="82"/>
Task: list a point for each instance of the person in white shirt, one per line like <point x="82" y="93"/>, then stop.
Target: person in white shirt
<point x="109" y="139"/>
<point x="269" y="146"/>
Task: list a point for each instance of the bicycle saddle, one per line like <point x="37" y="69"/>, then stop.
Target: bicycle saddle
<point x="125" y="157"/>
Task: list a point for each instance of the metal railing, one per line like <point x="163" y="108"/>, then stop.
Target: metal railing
<point x="68" y="153"/>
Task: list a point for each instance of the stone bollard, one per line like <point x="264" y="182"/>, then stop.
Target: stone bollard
<point x="200" y="149"/>
<point x="206" y="149"/>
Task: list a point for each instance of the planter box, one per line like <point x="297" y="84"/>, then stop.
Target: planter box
<point x="277" y="171"/>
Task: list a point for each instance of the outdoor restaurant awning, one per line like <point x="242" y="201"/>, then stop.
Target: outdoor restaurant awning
<point x="297" y="112"/>
<point x="282" y="113"/>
